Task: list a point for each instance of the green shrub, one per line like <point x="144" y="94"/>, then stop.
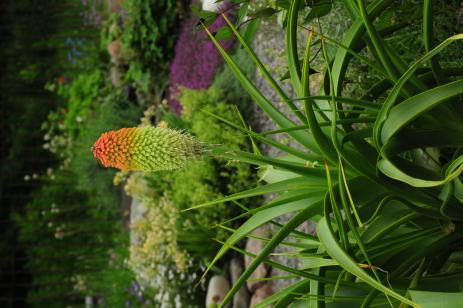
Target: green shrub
<point x="81" y="94"/>
<point x="224" y="178"/>
<point x="64" y="124"/>
<point x="148" y="39"/>
<point x="148" y="31"/>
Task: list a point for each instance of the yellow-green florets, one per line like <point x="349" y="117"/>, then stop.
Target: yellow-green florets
<point x="146" y="149"/>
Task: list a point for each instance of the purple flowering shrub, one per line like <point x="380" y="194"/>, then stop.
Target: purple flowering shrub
<point x="196" y="58"/>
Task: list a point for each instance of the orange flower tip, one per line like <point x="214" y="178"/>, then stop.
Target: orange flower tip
<point x="146" y="149"/>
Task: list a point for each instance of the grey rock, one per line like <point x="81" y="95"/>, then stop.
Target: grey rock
<point x="114" y="50"/>
<point x="241" y="298"/>
<point x="255" y="246"/>
<point x="217" y="289"/>
<point x="262" y="293"/>
<point x="236" y="269"/>
<point x="116" y="76"/>
<point x="137" y="210"/>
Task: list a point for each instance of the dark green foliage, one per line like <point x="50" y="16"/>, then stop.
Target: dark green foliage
<point x="149" y="30"/>
<point x="408" y="39"/>
<point x="62" y="240"/>
<point x="33" y="52"/>
<point x="79" y="95"/>
<point x="148" y="38"/>
<point x="74" y="250"/>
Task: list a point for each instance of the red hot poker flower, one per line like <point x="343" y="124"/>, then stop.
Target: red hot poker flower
<point x="146" y="149"/>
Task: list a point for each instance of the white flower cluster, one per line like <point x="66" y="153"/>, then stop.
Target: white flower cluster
<point x="155" y="257"/>
<point x="29" y="177"/>
<point x="212" y="5"/>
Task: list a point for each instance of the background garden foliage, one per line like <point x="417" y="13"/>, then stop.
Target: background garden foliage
<point x="196" y="58"/>
<point x="89" y="104"/>
<point x="377" y="165"/>
<point x="148" y="38"/>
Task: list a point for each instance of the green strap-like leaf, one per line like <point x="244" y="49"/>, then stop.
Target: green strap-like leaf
<point x="291" y="47"/>
<point x="334" y="250"/>
<point x="279" y="118"/>
<point x="437" y="299"/>
<point x="320" y="137"/>
<point x="389" y="169"/>
<point x="394" y="94"/>
<point x="378" y="42"/>
<point x="285" y="296"/>
<point x="263" y="70"/>
<point x="309" y="211"/>
<point x="304" y="169"/>
<point x="263" y="217"/>
<point x="298" y="183"/>
<point x="269" y="141"/>
<point x="413" y="107"/>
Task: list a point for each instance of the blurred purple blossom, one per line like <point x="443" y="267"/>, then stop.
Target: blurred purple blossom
<point x="135" y="287"/>
<point x="196" y="58"/>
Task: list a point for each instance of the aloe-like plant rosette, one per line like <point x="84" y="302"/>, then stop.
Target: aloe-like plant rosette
<point x="147" y="149"/>
<point x="389" y="226"/>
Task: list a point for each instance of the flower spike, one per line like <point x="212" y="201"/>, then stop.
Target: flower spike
<point x="146" y="149"/>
